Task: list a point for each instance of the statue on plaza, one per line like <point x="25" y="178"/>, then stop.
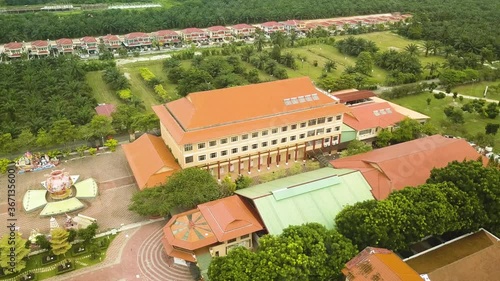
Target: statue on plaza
<point x="58" y="184"/>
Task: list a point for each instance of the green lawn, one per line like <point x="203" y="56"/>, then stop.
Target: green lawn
<point x="102" y="93"/>
<point x="473" y="122"/>
<point x="477" y="90"/>
<point x="385" y="40"/>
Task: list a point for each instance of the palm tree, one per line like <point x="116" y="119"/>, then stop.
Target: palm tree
<point x="3" y="57"/>
<point x="433" y="67"/>
<point x="329" y="66"/>
<point x="412" y="49"/>
<point x="448" y="50"/>
<point x="260" y="42"/>
<point x="428" y="45"/>
<point x="293" y="37"/>
<point x="279" y="38"/>
<point x="246" y="53"/>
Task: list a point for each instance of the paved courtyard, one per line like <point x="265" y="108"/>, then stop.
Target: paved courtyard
<point x="135" y="254"/>
<point x="110" y="208"/>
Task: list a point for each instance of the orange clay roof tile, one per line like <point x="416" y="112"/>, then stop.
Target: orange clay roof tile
<point x="213" y="114"/>
<point x="406" y="164"/>
<point x="150" y="160"/>
<point x="212" y="222"/>
<point x="379" y="264"/>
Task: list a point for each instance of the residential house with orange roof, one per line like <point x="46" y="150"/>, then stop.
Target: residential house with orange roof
<point x="474" y="256"/>
<point x="150" y="161"/>
<point x="40" y="48"/>
<point x="65" y="46"/>
<point x="219" y="33"/>
<point x="242" y="30"/>
<point x="89" y="44"/>
<point x="14" y="49"/>
<point x="406" y="164"/>
<point x="211" y="230"/>
<point x="370" y="118"/>
<point x="137" y="40"/>
<point x="271" y="26"/>
<point x="251" y="127"/>
<point x="193" y="34"/>
<point x="379" y="264"/>
<point x="166" y="37"/>
<point x="297" y="25"/>
<point x="112" y="42"/>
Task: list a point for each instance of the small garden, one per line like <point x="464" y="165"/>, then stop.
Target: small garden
<point x="61" y="255"/>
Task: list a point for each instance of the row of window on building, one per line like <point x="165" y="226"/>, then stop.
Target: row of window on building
<point x="264" y="144"/>
<point x="312" y="122"/>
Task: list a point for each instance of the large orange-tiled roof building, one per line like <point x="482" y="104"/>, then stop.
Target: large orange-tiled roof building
<point x="252" y="127"/>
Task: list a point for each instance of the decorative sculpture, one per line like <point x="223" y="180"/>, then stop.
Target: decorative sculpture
<point x="58" y="184"/>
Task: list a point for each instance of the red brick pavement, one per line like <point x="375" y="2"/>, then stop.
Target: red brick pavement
<point x="136" y="257"/>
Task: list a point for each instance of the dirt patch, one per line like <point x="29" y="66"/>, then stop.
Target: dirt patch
<point x="127" y="75"/>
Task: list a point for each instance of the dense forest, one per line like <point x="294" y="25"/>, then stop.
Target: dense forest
<point x="35" y="93"/>
<point x="454" y="22"/>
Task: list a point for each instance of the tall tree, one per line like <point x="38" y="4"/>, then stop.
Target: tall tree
<point x="184" y="190"/>
<point x="59" y="241"/>
<point x="62" y="131"/>
<point x="364" y="63"/>
<point x="12" y="253"/>
<point x="412" y="49"/>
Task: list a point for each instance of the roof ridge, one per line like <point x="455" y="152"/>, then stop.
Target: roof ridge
<point x="411" y="152"/>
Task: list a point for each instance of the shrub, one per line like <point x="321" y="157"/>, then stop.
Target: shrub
<point x="161" y="92"/>
<point x="4" y="163"/>
<point x="92" y="151"/>
<point x="146" y="74"/>
<point x="440" y="95"/>
<point x="111" y="144"/>
<point x="81" y="150"/>
<point x="125" y="94"/>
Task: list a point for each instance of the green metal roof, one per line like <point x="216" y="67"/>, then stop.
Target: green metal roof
<point x="203" y="259"/>
<point x="300" y="179"/>
<point x="348" y="134"/>
<point x="316" y="196"/>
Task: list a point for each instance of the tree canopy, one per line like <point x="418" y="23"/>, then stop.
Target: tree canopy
<point x="19" y="250"/>
<point x="184" y="190"/>
<point x="306" y="252"/>
<point x="479" y="183"/>
<point x="409" y="215"/>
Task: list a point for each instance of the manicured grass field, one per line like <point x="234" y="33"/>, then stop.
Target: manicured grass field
<point x="477" y="90"/>
<point x="319" y="52"/>
<point x="473" y="122"/>
<point x="385" y="40"/>
<point x="102" y="93"/>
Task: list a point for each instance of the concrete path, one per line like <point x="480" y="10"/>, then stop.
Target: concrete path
<point x="465" y="97"/>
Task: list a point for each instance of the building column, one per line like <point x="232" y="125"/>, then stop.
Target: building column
<point x="305" y="149"/>
<point x="296" y="151"/>
<point x="218" y="170"/>
<point x="239" y="165"/>
<point x="268" y="158"/>
<point x="278" y="158"/>
<point x="314" y="145"/>
<point x="258" y="165"/>
<point x="331" y="144"/>
<point x="249" y="161"/>
<point x="322" y="142"/>
<point x="286" y="157"/>
<point x="208" y="168"/>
